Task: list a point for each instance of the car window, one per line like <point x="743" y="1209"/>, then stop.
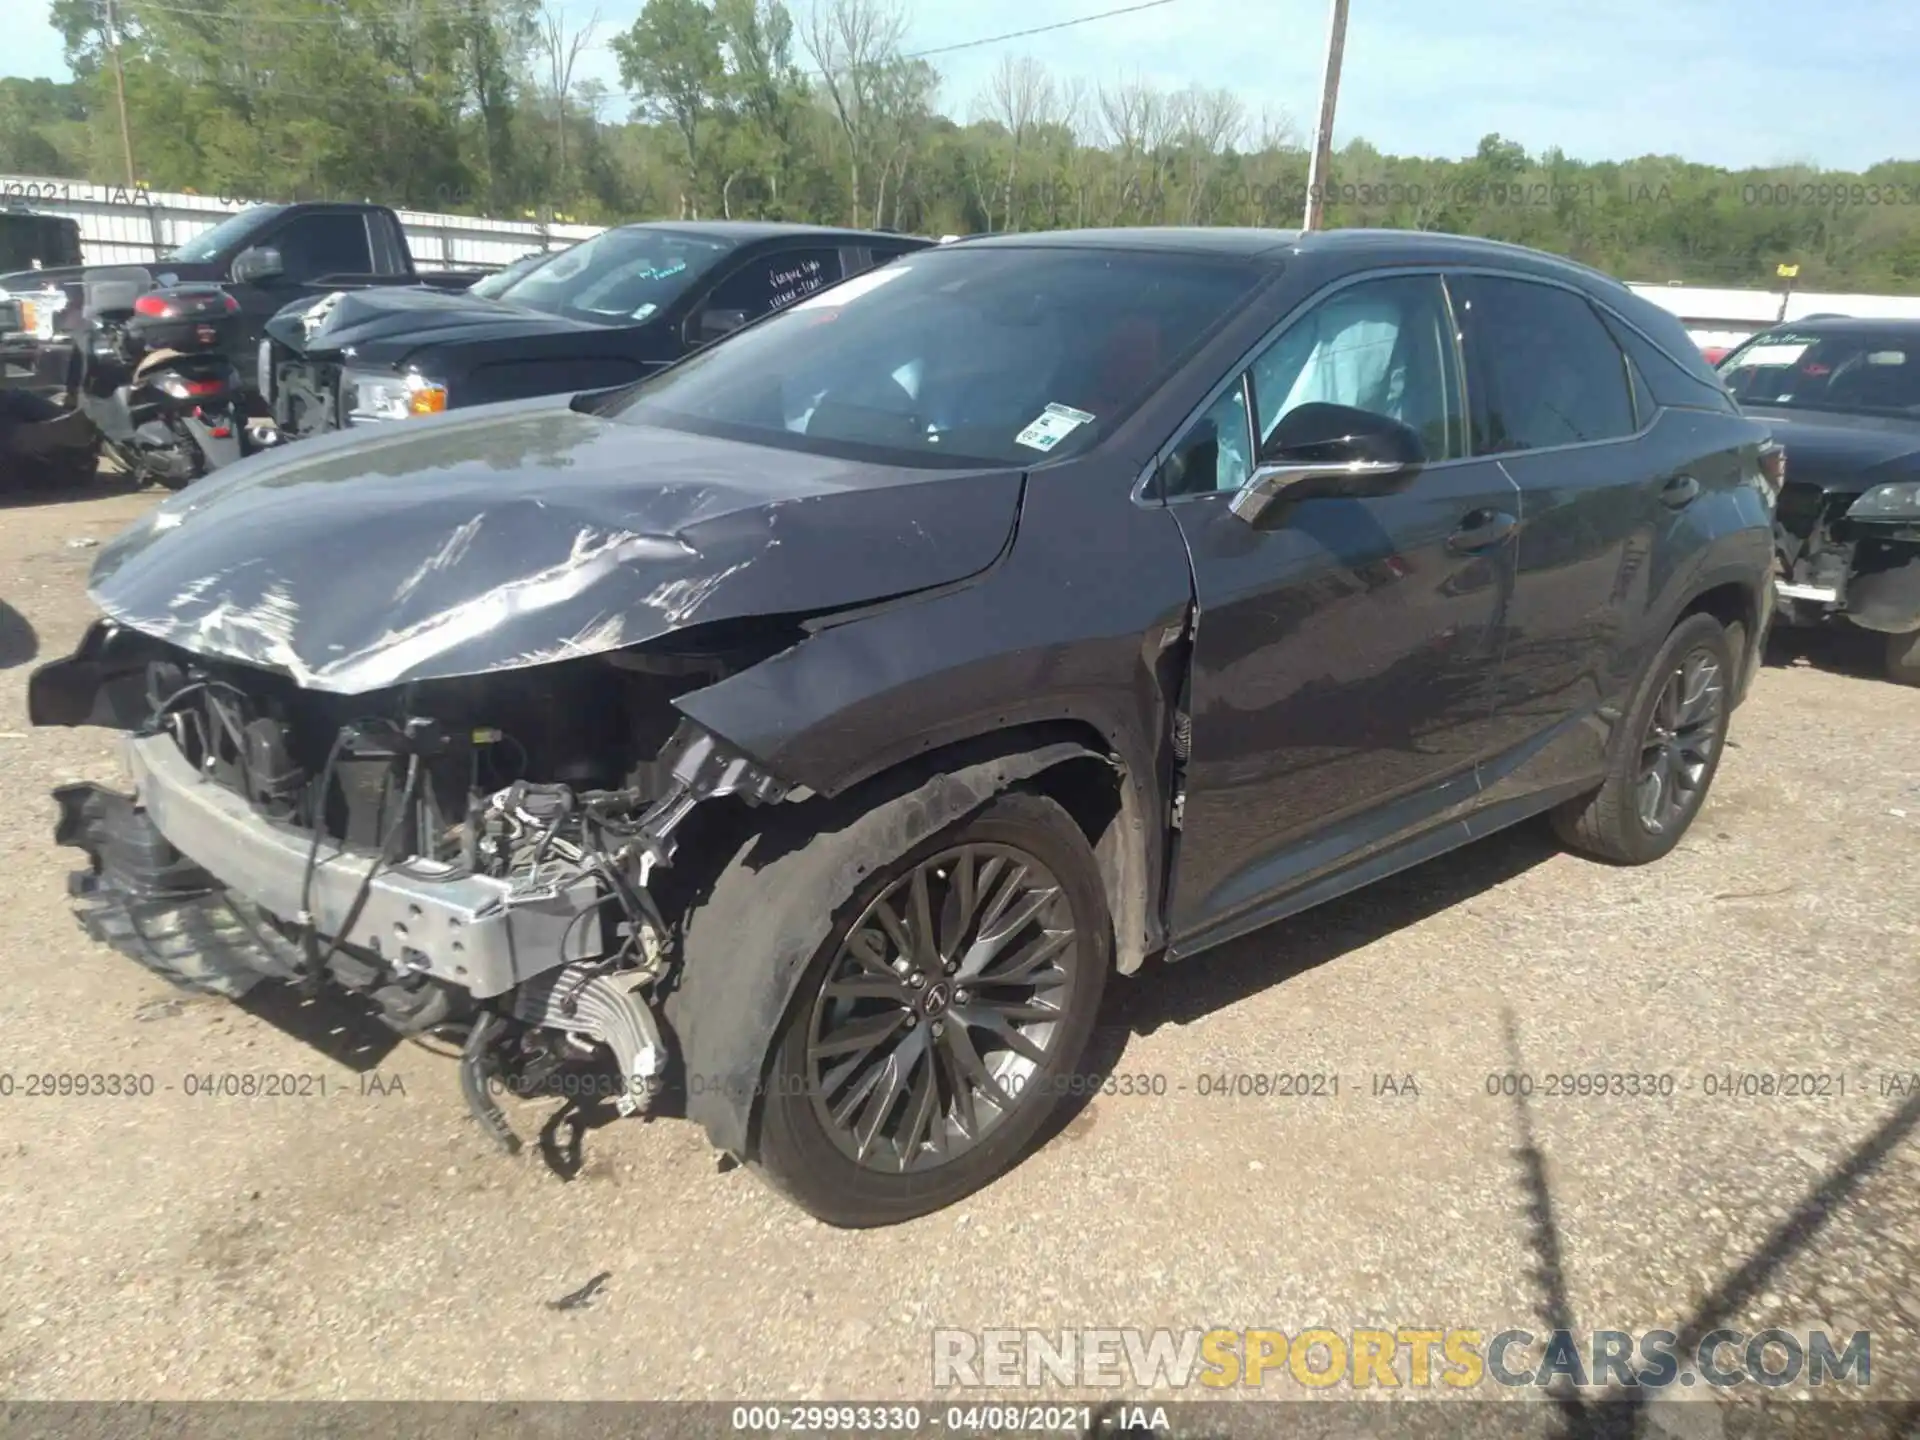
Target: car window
<point x="619" y="277"/>
<point x="1644" y="405"/>
<point x="1668" y="381"/>
<point x="962" y="355"/>
<point x="1547" y="371"/>
<point x="765" y="284"/>
<point x="1864" y="371"/>
<point x="1215" y="453"/>
<point x="1385" y="346"/>
<point x="317" y="245"/>
<point x="211" y="241"/>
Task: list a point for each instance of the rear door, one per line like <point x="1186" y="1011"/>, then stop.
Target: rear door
<point x="1559" y="406"/>
<point x="1344" y="656"/>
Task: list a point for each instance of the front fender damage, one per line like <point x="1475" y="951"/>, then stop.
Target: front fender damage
<point x="774" y="902"/>
<point x="525" y="919"/>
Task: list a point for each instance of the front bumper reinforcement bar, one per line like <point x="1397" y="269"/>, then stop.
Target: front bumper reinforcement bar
<point x="470" y="931"/>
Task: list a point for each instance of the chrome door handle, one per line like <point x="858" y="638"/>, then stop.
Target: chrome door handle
<point x="1482" y="530"/>
<point x="1679" y="492"/>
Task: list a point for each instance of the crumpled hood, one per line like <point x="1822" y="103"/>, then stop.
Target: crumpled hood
<point x="520" y="534"/>
<point x="386" y="324"/>
<point x="1842" y="454"/>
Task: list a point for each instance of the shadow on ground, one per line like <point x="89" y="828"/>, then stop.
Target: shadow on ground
<point x="1842" y="649"/>
<point x="24" y="489"/>
<point x="18" y="642"/>
<point x="1623" y="1413"/>
<point x="1179" y="994"/>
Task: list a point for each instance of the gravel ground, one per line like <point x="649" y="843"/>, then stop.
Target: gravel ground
<point x="371" y="1244"/>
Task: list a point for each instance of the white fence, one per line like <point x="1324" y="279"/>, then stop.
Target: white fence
<point x="1723" y="318"/>
<point x="124" y="226"/>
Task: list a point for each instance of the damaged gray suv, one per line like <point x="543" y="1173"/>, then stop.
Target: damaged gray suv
<point x="803" y="734"/>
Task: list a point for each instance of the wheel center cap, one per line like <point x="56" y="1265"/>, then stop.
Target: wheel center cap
<point x="938" y="996"/>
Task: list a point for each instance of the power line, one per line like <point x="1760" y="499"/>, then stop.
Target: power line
<point x="1036" y="30"/>
<point x="996" y="39"/>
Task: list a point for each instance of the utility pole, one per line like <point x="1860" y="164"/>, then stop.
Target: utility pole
<point x="1323" y="133"/>
<point x="120" y="90"/>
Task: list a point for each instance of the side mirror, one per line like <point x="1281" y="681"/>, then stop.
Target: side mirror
<point x="716" y="324"/>
<point x="262" y="262"/>
<point x="1319" y="450"/>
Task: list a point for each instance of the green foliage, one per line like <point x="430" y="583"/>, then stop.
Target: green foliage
<point x="745" y="109"/>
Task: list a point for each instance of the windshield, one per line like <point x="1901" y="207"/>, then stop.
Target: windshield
<point x="617" y="277"/>
<point x="493" y="284"/>
<point x="1856" y="371"/>
<point x="992" y="356"/>
<point x="209" y="243"/>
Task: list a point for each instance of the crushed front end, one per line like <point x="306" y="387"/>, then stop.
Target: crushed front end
<point x="1848" y="552"/>
<point x="475" y="855"/>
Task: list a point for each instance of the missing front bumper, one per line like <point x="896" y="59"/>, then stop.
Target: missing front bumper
<point x="470" y="931"/>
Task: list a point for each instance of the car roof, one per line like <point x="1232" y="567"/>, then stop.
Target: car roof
<point x="1187" y="239"/>
<point x="1848" y="325"/>
<point x="1277" y="245"/>
<point x="745" y="232"/>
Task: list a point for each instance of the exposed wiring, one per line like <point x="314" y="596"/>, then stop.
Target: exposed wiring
<point x="365" y="889"/>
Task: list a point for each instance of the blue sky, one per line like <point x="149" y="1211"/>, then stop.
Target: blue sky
<point x="1762" y="82"/>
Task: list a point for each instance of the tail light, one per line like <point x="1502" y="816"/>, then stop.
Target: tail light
<point x="183" y="387"/>
<point x="158" y="306"/>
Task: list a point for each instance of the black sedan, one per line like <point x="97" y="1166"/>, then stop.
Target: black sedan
<point x="603" y="313"/>
<point x="806" y="734"/>
<point x="1843" y="397"/>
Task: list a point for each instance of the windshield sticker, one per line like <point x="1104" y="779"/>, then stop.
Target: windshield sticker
<point x="853" y="289"/>
<point x="1887" y="357"/>
<point x="645" y="311"/>
<point x="1773" y="355"/>
<point x="1053" y="425"/>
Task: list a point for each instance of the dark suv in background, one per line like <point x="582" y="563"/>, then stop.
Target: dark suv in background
<point x="602" y="313"/>
<point x="815" y="725"/>
<point x="1843" y="397"/>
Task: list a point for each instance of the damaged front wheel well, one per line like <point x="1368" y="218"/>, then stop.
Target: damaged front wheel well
<point x="747" y="936"/>
<point x="1093" y="787"/>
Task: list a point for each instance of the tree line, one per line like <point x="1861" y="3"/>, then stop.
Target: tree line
<point x="750" y="109"/>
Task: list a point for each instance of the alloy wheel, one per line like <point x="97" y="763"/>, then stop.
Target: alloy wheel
<point x="1682" y="735"/>
<point x="940" y="1007"/>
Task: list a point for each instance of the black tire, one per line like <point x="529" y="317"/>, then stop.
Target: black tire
<point x="1903" y="658"/>
<point x="801" y="1150"/>
<point x="1610" y="823"/>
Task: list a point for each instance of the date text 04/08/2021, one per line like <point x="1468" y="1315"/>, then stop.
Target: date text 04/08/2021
<point x="197" y="1084"/>
<point x="973" y="1419"/>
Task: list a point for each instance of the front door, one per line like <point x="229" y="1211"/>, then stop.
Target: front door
<point x="1345" y="655"/>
